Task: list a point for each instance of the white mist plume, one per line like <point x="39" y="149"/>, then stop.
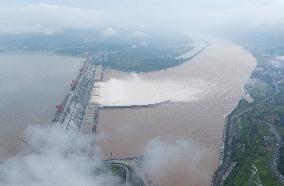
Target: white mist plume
<point x="280" y="58"/>
<point x="109" y="32"/>
<point x="59" y="158"/>
<point x="137" y="91"/>
<point x="166" y="162"/>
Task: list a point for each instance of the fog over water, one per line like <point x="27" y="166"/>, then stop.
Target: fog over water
<point x="135" y="90"/>
<point x="164" y="161"/>
<point x="59" y="157"/>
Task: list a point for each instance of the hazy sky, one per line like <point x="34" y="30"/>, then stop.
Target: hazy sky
<point x="55" y="15"/>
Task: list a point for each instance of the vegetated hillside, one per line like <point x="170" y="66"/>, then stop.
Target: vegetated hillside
<point x="122" y="52"/>
<point x="139" y="55"/>
<point x="254" y="133"/>
<point x="145" y="59"/>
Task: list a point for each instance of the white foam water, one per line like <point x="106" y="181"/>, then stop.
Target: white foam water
<point x="135" y="90"/>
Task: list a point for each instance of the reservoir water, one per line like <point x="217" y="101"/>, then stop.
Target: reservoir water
<point x="31" y="85"/>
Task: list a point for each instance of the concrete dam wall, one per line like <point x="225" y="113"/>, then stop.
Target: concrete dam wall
<point x="76" y="111"/>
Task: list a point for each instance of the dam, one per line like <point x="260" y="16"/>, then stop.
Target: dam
<point x="79" y="111"/>
<point x="186" y="119"/>
<point x="76" y="112"/>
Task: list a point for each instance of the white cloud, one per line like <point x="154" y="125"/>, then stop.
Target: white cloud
<point x="46" y="18"/>
<point x="269" y="13"/>
<point x="59" y="158"/>
<point x="180" y="14"/>
<point x="165" y="162"/>
<point x="109" y="32"/>
<point x="143" y="43"/>
<point x="138" y="34"/>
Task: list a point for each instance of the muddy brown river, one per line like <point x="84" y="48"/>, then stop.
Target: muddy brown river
<point x="181" y="138"/>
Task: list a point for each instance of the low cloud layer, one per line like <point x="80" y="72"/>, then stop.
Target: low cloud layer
<point x="59" y="157"/>
<point x="135" y="90"/>
<point x="165" y="163"/>
<point x="54" y="16"/>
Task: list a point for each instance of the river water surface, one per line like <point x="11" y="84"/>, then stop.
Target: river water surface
<point x="30" y="87"/>
<point x="181" y="138"/>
